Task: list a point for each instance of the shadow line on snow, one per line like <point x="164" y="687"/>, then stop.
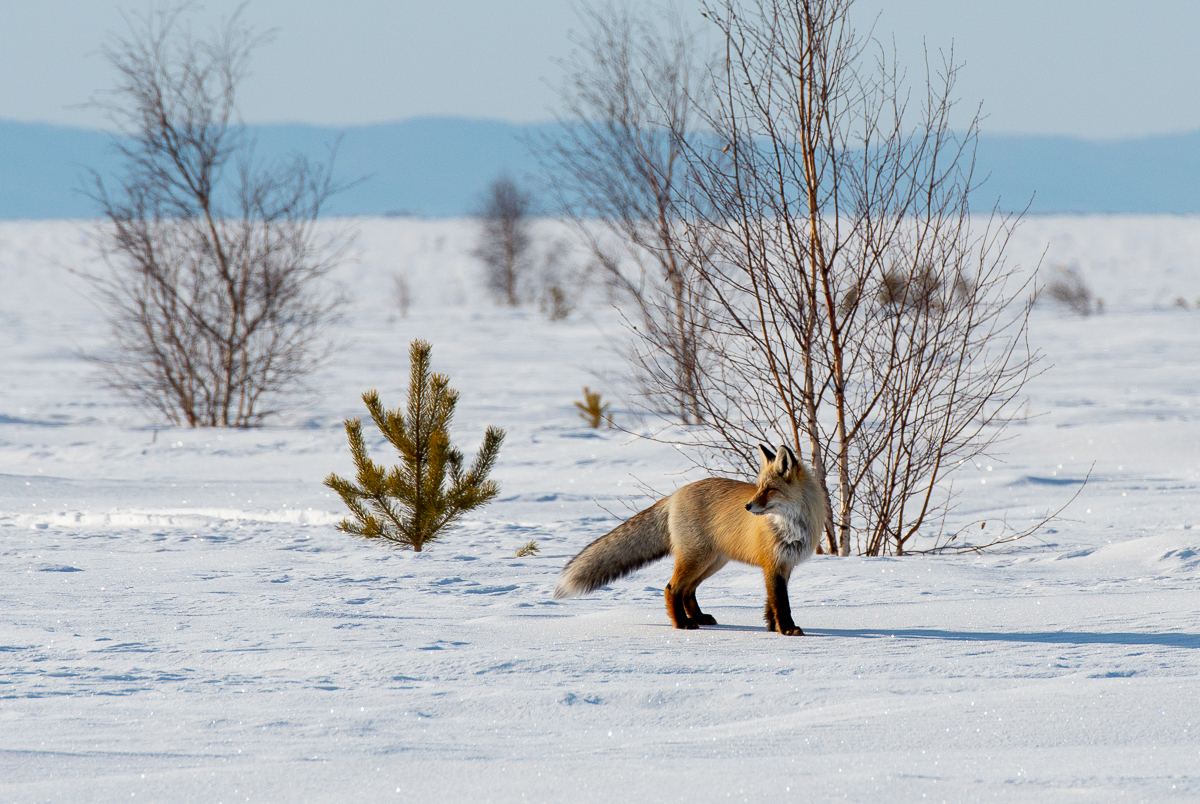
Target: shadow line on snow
<point x="1166" y="640"/>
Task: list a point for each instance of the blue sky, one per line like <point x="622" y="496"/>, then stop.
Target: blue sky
<point x="1100" y="69"/>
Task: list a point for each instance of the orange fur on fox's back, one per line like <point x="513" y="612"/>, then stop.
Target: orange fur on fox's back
<point x="710" y="515"/>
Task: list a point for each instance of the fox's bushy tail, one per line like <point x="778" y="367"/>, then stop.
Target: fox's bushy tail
<point x="630" y="546"/>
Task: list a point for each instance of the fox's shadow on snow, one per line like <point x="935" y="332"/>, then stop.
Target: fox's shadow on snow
<point x="1164" y="640"/>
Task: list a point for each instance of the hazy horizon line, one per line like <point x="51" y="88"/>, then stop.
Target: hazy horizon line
<point x="551" y="121"/>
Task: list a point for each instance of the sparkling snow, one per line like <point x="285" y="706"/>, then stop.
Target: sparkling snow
<point x="180" y="621"/>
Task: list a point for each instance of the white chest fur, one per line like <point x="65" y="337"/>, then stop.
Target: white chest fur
<point x="795" y="542"/>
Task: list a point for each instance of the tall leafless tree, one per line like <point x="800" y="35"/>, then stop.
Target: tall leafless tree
<point x="215" y="285"/>
<point x="629" y="103"/>
<point x="846" y="294"/>
<point x="874" y="318"/>
<point x="506" y="240"/>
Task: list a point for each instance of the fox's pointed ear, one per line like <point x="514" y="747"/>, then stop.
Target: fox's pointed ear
<point x="786" y="461"/>
<point x="766" y="455"/>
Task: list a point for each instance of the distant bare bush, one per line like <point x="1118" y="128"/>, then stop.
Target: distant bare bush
<point x="401" y="293"/>
<point x="213" y="289"/>
<point x="559" y="282"/>
<point x="505" y="239"/>
<point x="557" y="303"/>
<point x="918" y="289"/>
<point x="618" y="173"/>
<point x="1067" y="287"/>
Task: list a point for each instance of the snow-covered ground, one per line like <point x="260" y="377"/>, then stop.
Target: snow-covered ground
<point x="180" y="621"/>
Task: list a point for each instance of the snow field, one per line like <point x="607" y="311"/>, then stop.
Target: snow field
<point x="180" y="620"/>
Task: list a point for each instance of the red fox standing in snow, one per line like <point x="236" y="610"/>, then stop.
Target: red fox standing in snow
<point x="774" y="525"/>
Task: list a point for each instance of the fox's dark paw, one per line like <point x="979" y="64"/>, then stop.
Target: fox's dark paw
<point x="793" y="631"/>
<point x="686" y="625"/>
<point x="706" y="619"/>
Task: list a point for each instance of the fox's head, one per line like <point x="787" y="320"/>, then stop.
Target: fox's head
<point x="778" y="480"/>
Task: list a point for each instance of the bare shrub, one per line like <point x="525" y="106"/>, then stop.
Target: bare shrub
<point x="893" y="289"/>
<point x="560" y="284"/>
<point x="401" y="293"/>
<point x="214" y="286"/>
<point x="1066" y="286"/>
<point x="557" y="304"/>
<point x="505" y="239"/>
<point x="833" y="283"/>
<point x="918" y="289"/>
<point x="826" y="184"/>
<point x="617" y="170"/>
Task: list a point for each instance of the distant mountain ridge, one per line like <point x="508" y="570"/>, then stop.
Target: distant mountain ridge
<point x="439" y="167"/>
<point x="1146" y="175"/>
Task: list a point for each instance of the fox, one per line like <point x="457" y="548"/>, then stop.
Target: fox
<point x="774" y="524"/>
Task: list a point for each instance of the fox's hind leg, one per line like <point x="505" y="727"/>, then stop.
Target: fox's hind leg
<point x="681" y="591"/>
<point x="676" y="609"/>
<point x="690" y="605"/>
<point x="693" y="610"/>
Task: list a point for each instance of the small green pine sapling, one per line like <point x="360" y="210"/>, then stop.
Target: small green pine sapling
<point x="411" y="505"/>
<point x="591" y="410"/>
<point x="530" y="549"/>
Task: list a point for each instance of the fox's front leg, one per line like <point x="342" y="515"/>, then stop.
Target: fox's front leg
<point x="778" y="611"/>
